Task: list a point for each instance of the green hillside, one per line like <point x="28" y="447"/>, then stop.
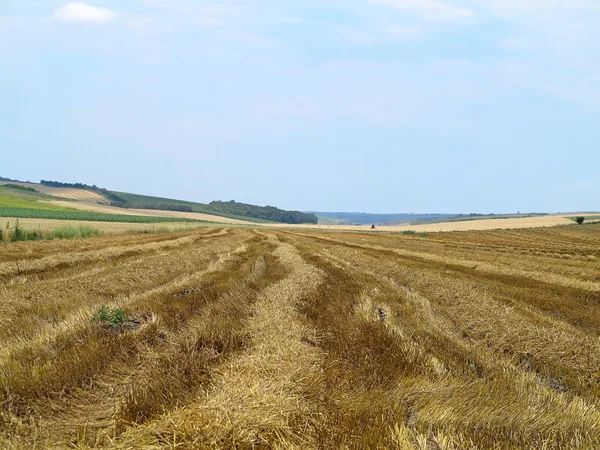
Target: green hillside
<point x="230" y="209"/>
<point x="11" y="197"/>
<point x="25" y="203"/>
<point x="149" y="202"/>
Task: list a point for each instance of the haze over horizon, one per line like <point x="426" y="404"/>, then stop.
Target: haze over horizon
<point x="382" y="106"/>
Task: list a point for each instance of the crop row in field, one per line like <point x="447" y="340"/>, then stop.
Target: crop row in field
<point x="235" y="338"/>
<point x="62" y="214"/>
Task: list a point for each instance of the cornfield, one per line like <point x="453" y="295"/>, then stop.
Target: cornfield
<point x="57" y="214"/>
<point x="239" y="338"/>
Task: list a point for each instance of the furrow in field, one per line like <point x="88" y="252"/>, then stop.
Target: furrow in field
<point x="506" y="317"/>
<point x="474" y="265"/>
<point x="39" y="249"/>
<point x="62" y="260"/>
<point x="167" y="373"/>
<point x="31" y="309"/>
<point x="261" y="397"/>
<point x="400" y="371"/>
<point x="67" y="355"/>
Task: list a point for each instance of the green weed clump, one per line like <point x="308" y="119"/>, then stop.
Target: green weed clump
<point x="35" y="235"/>
<point x="16" y="233"/>
<point x="70" y="232"/>
<point x="88" y="232"/>
<point x="106" y="315"/>
<point x="66" y="232"/>
<point x="408" y="233"/>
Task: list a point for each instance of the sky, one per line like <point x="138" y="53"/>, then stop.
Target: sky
<point x="383" y="106"/>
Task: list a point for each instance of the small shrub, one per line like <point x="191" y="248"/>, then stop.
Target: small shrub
<point x="34" y="235"/>
<point x="19" y="187"/>
<point x="408" y="233"/>
<point x="424" y="235"/>
<point x="105" y="315"/>
<point x="88" y="232"/>
<point x="66" y="232"/>
<point x="17" y="234"/>
<point x="579" y="220"/>
<point x="1" y="235"/>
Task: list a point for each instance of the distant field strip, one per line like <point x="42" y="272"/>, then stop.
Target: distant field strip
<point x="587" y="218"/>
<point x="70" y="193"/>
<point x="16" y="203"/>
<point x="62" y="214"/>
<point x="104" y="209"/>
<point x="296" y="339"/>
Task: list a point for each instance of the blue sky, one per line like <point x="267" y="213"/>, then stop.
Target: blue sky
<point x="354" y="105"/>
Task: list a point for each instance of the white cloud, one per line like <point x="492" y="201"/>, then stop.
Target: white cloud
<point x="405" y="31"/>
<point x="432" y="10"/>
<point x="79" y="12"/>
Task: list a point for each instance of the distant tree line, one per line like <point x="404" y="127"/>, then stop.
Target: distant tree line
<point x="161" y="207"/>
<point x="19" y="187"/>
<point x="105" y="192"/>
<point x="8" y="179"/>
<point x="262" y="212"/>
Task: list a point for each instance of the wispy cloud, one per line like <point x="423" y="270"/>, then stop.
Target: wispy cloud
<point x="82" y="13"/>
<point x="515" y="43"/>
<point x="581" y="186"/>
<point x="432" y="10"/>
<point x="556" y="5"/>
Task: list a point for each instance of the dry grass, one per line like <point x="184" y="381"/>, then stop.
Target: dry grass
<point x="241" y="339"/>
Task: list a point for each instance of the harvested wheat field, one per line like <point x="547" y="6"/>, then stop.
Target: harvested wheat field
<point x="286" y="339"/>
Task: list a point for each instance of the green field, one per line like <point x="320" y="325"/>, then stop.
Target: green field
<point x="20" y="198"/>
<point x="25" y="204"/>
<point x="19" y="203"/>
<point x="66" y="214"/>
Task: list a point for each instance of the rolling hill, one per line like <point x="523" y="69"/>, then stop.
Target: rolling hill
<point x="94" y="195"/>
